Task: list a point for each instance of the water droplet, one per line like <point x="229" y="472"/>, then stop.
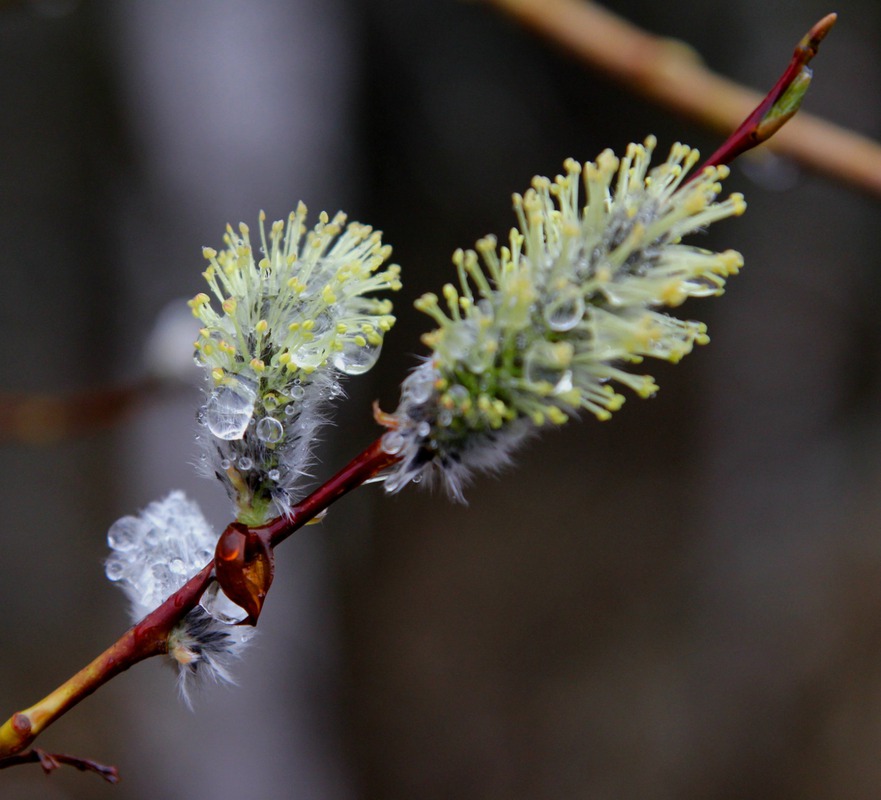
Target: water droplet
<point x="220" y="607"/>
<point x="164" y="578"/>
<point x="421" y="386"/>
<point x="116" y="568"/>
<point x="565" y="383"/>
<point x="270" y="430"/>
<point x="479" y="358"/>
<point x="565" y="310"/>
<point x="548" y="363"/>
<point x="125" y="533"/>
<point x="393" y="442"/>
<point x="423" y="429"/>
<point x="245" y="463"/>
<point x="230" y="408"/>
<point x="273" y="475"/>
<point x="458" y="393"/>
<point x="355" y="359"/>
<point x="322" y="324"/>
<point x="177" y="566"/>
<point x="297" y="392"/>
<point x="445" y="418"/>
<point x="290" y="410"/>
<point x="457" y="339"/>
<point x="270" y="402"/>
<point x="225" y="464"/>
<point x="311" y="355"/>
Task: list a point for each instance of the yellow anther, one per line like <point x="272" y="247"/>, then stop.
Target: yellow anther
<point x="200" y="299"/>
<point x="556" y="416"/>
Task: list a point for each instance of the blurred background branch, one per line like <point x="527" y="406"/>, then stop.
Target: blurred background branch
<point x="670" y="73"/>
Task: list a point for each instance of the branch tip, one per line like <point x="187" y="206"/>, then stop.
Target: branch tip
<point x="49" y="762"/>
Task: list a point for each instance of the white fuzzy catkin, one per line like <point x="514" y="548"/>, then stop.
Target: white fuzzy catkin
<point x="152" y="556"/>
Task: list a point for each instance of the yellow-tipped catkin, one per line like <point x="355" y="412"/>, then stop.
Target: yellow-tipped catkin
<point x="543" y="324"/>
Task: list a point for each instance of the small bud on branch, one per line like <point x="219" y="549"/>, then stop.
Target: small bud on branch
<point x="781" y="103"/>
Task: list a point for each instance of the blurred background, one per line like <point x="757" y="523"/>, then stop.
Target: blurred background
<point x="684" y="602"/>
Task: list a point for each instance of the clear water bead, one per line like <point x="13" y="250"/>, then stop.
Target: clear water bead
<point x="355" y="359"/>
<point x="116" y="568"/>
<point x="458" y="393"/>
<point x="177" y="566"/>
<point x="421" y="386"/>
<point x="565" y="311"/>
<point x="245" y="463"/>
<point x="270" y="430"/>
<point x="458" y="339"/>
<point x="479" y="358"/>
<point x="393" y="442"/>
<point x="548" y="363"/>
<point x="229" y="409"/>
<point x="220" y="607"/>
<point x="124" y="534"/>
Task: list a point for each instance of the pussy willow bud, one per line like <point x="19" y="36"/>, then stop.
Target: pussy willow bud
<point x="293" y="320"/>
<point x="152" y="556"/>
<point x="545" y="326"/>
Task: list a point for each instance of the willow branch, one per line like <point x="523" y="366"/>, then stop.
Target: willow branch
<point x="670" y="74"/>
<point x="43" y="419"/>
<point x="149" y="637"/>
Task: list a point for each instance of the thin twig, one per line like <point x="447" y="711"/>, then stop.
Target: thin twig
<point x="149" y="637"/>
<point x="670" y="74"/>
<point x="52" y="761"/>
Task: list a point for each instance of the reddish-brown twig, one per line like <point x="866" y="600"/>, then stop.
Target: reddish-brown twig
<point x="149" y="637"/>
<point x="780" y="104"/>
